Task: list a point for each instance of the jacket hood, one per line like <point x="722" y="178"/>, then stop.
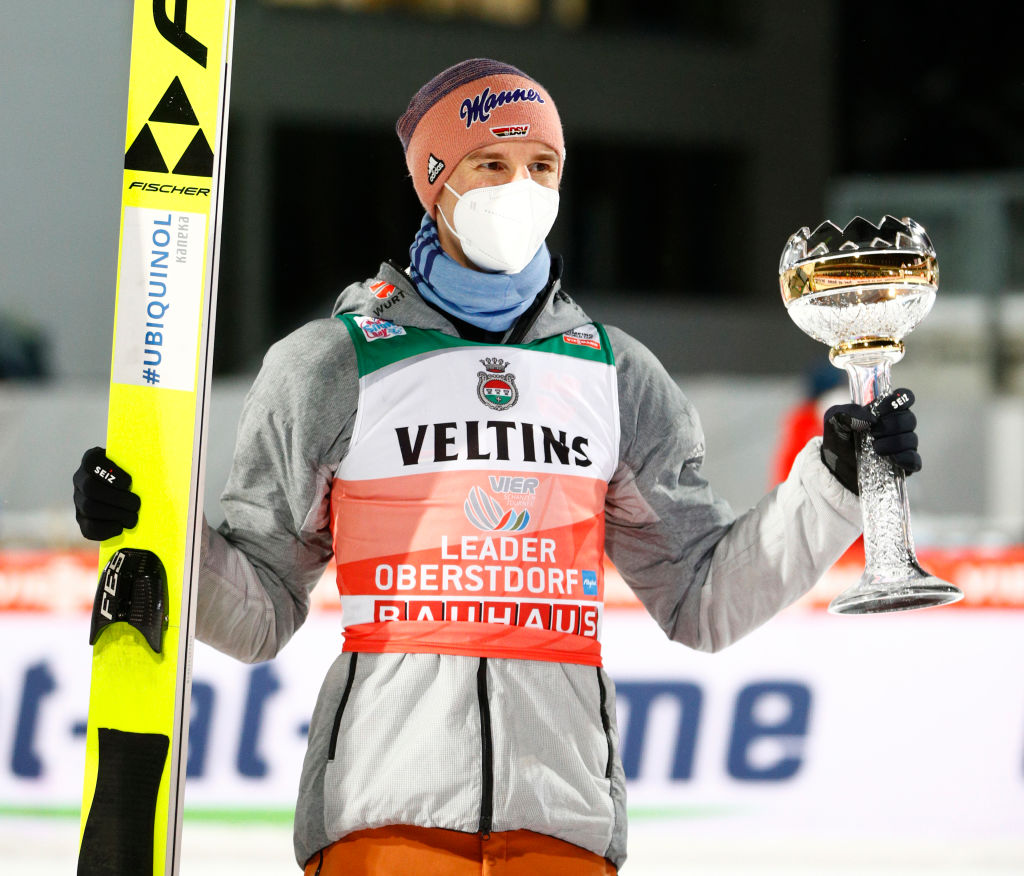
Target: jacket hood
<point x="391" y="295"/>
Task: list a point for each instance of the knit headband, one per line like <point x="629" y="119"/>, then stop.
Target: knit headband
<point x="476" y="103"/>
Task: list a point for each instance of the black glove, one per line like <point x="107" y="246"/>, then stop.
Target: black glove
<point x="888" y="420"/>
<point x="104" y="503"/>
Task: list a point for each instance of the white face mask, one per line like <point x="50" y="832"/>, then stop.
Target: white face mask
<point x="502" y="227"/>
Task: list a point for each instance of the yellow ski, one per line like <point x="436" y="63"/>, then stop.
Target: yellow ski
<point x="144" y="615"/>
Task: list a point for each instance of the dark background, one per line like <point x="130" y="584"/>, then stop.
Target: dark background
<point x="699" y="135"/>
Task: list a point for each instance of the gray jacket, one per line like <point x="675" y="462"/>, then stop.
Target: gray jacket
<point x="475" y="744"/>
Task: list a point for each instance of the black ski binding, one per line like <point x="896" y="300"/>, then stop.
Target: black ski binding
<point x="133" y="589"/>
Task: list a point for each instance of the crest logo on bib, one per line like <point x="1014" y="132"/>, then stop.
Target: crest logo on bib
<point x="495" y="387"/>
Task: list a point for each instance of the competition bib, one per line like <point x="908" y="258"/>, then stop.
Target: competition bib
<point x="468" y="515"/>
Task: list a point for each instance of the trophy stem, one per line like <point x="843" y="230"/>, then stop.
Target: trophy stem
<point x="892" y="580"/>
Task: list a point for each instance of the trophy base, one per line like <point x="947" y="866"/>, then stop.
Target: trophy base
<point x="871" y="596"/>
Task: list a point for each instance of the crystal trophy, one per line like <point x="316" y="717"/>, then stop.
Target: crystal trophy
<point x="861" y="289"/>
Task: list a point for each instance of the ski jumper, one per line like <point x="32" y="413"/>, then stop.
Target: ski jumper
<point x="467" y="489"/>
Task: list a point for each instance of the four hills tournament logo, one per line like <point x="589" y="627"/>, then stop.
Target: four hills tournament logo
<point x="486" y="514"/>
<point x="495" y="387"/>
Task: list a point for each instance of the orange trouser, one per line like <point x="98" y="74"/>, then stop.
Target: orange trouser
<point x="425" y="851"/>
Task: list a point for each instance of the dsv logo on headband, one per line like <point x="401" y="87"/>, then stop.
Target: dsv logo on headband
<point x="478" y="109"/>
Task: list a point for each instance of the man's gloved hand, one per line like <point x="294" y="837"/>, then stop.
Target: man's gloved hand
<point x="104" y="504"/>
<point x="888" y="420"/>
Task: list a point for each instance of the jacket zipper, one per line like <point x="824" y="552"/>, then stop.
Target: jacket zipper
<point x="487" y="753"/>
<point x="341" y="706"/>
<point x="606" y="722"/>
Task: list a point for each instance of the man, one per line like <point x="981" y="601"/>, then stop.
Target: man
<point x="467" y="442"/>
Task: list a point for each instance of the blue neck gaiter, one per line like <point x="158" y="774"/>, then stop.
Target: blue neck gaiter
<point x="488" y="301"/>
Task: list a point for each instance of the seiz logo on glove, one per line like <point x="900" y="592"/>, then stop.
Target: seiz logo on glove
<point x="890" y="423"/>
<point x="105" y="506"/>
<point x="899" y="399"/>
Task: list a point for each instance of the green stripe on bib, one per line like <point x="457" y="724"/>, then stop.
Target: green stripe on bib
<point x="379" y="343"/>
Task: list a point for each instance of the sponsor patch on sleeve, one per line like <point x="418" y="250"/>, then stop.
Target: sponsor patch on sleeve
<point x="378" y="329"/>
<point x="584" y="336"/>
<point x="382" y="289"/>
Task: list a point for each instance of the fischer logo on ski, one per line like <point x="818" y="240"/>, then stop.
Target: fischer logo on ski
<point x="174" y="108"/>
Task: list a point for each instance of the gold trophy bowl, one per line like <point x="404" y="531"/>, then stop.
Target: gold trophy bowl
<point x="861" y="289"/>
